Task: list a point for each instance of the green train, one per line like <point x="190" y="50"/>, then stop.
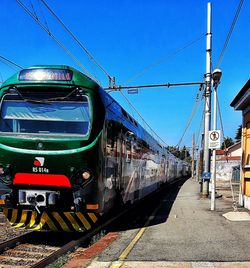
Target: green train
<point x="70" y="153"/>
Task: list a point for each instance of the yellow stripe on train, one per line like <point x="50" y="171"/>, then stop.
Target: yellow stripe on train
<point x="53" y="221"/>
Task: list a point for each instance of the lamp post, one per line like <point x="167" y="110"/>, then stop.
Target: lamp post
<point x="216" y="76"/>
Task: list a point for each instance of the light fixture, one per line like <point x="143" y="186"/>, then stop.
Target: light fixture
<point x="216" y="75"/>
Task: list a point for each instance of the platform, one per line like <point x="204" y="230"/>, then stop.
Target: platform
<point x="186" y="235"/>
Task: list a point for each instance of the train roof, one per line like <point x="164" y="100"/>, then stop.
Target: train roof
<point x="50" y="75"/>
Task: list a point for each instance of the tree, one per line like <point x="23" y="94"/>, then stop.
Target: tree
<point x="238" y="134"/>
<point x="182" y="154"/>
<point x="227" y="143"/>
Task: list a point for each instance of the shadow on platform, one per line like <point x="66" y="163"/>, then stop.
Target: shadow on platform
<point x="162" y="201"/>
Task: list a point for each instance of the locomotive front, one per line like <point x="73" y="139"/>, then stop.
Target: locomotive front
<point x="49" y="149"/>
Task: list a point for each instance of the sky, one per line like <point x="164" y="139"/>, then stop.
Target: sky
<point x="139" y="42"/>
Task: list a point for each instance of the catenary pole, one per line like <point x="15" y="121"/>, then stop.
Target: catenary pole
<point x="213" y="181"/>
<point x="207" y="123"/>
<point x="217" y="73"/>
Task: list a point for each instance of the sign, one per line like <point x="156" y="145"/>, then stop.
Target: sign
<point x="206" y="176"/>
<point x="133" y="91"/>
<point x="214" y="140"/>
<point x="45" y="74"/>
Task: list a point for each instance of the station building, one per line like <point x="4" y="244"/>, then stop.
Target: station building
<point x="242" y="103"/>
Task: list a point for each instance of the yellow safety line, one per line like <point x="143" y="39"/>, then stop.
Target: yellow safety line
<point x="128" y="249"/>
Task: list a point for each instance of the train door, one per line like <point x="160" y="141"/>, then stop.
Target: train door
<point x="129" y="172"/>
<point x="111" y="163"/>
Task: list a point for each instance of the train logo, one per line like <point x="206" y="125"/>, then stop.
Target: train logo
<point x="39" y="161"/>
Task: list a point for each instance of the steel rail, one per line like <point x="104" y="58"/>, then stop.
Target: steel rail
<point x="75" y="243"/>
<point x="11" y="243"/>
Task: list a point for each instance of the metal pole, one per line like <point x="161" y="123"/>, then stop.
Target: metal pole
<point x="197" y="164"/>
<point x="193" y="156"/>
<point x="213" y="182"/>
<point x="207" y="123"/>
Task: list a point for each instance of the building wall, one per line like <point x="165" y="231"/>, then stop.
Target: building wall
<point x="224" y="169"/>
<point x="246" y="155"/>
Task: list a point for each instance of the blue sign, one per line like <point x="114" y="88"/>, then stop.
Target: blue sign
<point x="206" y="176"/>
<point x="133" y="91"/>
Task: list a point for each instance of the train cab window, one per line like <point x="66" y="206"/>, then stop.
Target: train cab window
<point x="45" y="117"/>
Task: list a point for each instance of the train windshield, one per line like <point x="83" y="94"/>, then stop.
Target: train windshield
<point x="45" y="117"/>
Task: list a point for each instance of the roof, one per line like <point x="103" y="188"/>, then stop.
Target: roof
<point x="220" y="152"/>
<point x="78" y="79"/>
<point x="242" y="98"/>
<point x="234" y="145"/>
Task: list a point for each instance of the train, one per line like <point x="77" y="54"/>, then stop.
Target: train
<point x="70" y="153"/>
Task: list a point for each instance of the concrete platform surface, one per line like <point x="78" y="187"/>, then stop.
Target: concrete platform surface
<point x="184" y="232"/>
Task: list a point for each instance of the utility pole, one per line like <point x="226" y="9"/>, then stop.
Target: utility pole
<point x="207" y="123"/>
<point x="193" y="156"/>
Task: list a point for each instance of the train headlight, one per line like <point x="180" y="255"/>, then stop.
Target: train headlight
<point x="86" y="175"/>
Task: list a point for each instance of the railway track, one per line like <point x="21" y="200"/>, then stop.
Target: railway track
<point x="38" y="249"/>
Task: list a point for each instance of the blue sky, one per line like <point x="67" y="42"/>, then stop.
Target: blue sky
<point x="128" y="36"/>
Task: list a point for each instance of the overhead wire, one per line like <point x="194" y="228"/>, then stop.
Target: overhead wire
<point x="44" y="18"/>
<point x="33" y="8"/>
<point x="54" y="38"/>
<point x="143" y="120"/>
<point x="158" y="62"/>
<point x="91" y="57"/>
<point x="10" y="63"/>
<point x="201" y="125"/>
<point x="196" y="105"/>
<point x="150" y="67"/>
<point x="221" y="123"/>
<point x="230" y="32"/>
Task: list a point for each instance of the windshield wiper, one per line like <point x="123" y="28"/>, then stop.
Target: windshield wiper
<point x="47" y="101"/>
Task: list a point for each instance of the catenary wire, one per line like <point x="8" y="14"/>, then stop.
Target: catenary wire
<point x="196" y="105"/>
<point x="91" y="57"/>
<point x="143" y="120"/>
<point x="158" y="62"/>
<point x="8" y="64"/>
<point x="201" y="125"/>
<point x="54" y="38"/>
<point x="221" y="123"/>
<point x="230" y="33"/>
<point x="44" y="18"/>
<point x="11" y="62"/>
